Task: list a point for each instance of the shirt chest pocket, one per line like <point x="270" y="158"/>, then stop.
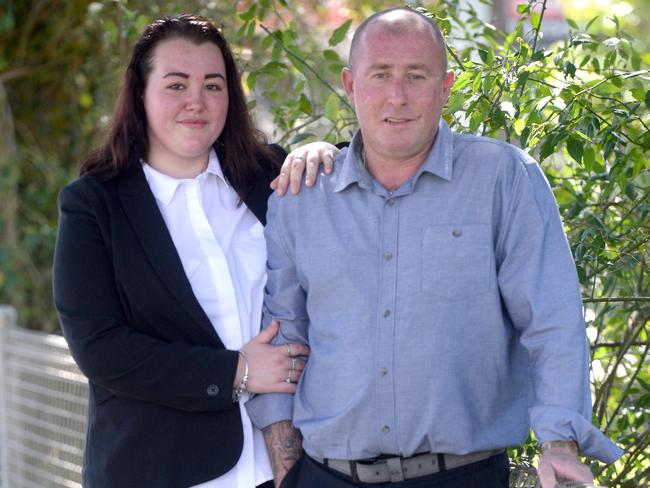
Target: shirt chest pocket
<point x="456" y="260"/>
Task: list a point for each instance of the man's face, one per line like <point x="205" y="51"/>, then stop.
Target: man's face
<point x="398" y="89"/>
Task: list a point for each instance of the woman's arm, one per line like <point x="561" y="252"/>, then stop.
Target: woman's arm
<point x="118" y="354"/>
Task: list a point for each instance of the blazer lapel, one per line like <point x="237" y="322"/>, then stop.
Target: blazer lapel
<point x="139" y="204"/>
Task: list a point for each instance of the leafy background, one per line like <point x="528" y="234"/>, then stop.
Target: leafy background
<point x="581" y="106"/>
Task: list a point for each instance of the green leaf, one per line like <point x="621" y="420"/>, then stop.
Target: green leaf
<point x="463" y="80"/>
<point x="332" y="107"/>
<point x="575" y="148"/>
<point x="647" y="99"/>
<point x="570" y="69"/>
<point x="523" y="8"/>
<point x="572" y="24"/>
<point x="548" y="148"/>
<point x="523" y="139"/>
<point x="455" y="102"/>
<point x="339" y="33"/>
<point x="588" y="158"/>
<point x="486" y="55"/>
<point x="251" y="80"/>
<point x="331" y="55"/>
<point x="305" y="104"/>
<point x="591" y="22"/>
<point x="249" y="14"/>
<point x="519" y="126"/>
<point x="273" y="68"/>
<point x="535" y="19"/>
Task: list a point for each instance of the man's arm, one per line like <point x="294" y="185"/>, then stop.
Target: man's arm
<point x="539" y="286"/>
<point x="284" y="445"/>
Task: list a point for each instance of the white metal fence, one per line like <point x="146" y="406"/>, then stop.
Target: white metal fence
<point x="43" y="400"/>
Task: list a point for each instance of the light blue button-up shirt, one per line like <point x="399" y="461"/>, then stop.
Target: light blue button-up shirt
<point x="442" y="317"/>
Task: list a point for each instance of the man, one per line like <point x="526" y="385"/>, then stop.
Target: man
<point x="433" y="282"/>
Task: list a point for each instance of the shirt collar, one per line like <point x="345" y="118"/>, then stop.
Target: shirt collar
<point x="164" y="186"/>
<point x="439" y="161"/>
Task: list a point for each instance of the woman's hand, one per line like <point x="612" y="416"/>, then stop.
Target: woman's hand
<point x="271" y="369"/>
<point x="307" y="159"/>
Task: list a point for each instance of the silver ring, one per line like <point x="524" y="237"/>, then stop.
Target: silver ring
<point x="288" y="380"/>
<point x="289" y="350"/>
<point x="293" y="364"/>
<point x="298" y="158"/>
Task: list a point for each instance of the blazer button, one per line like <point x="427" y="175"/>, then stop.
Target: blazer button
<point x="212" y="390"/>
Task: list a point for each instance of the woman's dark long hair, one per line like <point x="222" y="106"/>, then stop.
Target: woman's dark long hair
<point x="240" y="146"/>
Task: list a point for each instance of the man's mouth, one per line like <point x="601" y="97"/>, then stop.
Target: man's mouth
<point x="397" y="120"/>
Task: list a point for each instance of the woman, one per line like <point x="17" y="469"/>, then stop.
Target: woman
<point x="159" y="272"/>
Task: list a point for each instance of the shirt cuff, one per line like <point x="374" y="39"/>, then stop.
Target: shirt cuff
<point x="552" y="423"/>
<point x="269" y="408"/>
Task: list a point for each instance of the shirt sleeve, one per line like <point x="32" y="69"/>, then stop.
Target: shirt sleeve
<point x="539" y="285"/>
<point x="284" y="300"/>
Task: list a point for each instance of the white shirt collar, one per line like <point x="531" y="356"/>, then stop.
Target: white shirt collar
<point x="164" y="186"/>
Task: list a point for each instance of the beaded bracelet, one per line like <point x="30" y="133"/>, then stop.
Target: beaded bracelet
<point x="241" y="388"/>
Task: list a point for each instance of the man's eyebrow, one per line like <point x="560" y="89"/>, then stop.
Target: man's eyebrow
<point x="385" y="66"/>
<point x="420" y="66"/>
<point x="180" y="74"/>
<point x="379" y="66"/>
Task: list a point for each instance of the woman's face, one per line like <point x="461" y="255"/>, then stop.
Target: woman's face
<point x="186" y="102"/>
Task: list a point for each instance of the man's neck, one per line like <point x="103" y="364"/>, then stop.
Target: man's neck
<point x="392" y="173"/>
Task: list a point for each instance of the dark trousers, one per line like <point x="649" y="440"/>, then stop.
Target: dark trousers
<point x="493" y="472"/>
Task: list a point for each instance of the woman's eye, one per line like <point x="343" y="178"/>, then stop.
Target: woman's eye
<point x="176" y="86"/>
<point x="213" y="87"/>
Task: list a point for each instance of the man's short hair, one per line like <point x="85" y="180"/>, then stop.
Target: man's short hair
<point x="398" y="28"/>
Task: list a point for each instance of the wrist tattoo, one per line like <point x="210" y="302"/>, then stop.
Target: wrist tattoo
<point x="284" y="444"/>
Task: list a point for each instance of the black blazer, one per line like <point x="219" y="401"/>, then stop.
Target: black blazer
<point x="160" y="407"/>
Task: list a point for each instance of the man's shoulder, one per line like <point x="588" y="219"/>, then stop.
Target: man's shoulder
<point x="309" y="196"/>
<point x="481" y="150"/>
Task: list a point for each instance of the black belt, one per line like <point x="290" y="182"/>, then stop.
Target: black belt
<point x="394" y="469"/>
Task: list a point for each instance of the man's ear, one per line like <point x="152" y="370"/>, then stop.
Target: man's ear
<point x="448" y="82"/>
<point x="346" y="80"/>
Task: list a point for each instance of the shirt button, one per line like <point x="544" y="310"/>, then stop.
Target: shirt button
<point x="390" y="202"/>
<point x="383" y="371"/>
<point x="388" y="256"/>
<point x="212" y="390"/>
<point x="456" y="232"/>
<point x="385" y="429"/>
<point x="386" y="313"/>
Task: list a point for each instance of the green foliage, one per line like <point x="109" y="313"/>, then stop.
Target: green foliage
<point x="581" y="107"/>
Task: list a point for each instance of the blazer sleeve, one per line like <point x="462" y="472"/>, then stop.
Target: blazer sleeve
<point x="111" y="351"/>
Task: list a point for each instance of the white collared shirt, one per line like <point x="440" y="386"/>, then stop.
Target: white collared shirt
<point x="221" y="246"/>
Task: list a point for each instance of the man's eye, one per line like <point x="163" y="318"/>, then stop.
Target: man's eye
<point x="380" y="76"/>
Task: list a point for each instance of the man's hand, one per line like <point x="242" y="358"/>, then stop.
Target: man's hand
<point x="284" y="444"/>
<point x="560" y="462"/>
